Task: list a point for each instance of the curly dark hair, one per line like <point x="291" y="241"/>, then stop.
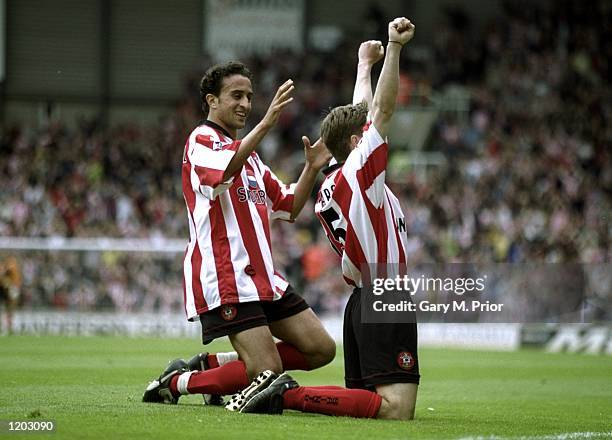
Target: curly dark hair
<point x="213" y="79"/>
<point x="340" y="124"/>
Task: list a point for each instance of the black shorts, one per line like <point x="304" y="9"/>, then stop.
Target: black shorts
<point x="229" y="319"/>
<point x="377" y="354"/>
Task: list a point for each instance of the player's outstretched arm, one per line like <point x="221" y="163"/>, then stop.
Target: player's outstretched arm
<point x="317" y="157"/>
<point x="255" y="136"/>
<point x="370" y="52"/>
<point x="401" y="30"/>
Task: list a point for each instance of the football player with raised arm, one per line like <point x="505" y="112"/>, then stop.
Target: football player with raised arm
<point x="363" y="221"/>
<point x="231" y="284"/>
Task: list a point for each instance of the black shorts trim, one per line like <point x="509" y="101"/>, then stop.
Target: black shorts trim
<point x="377" y="354"/>
<point x="370" y="382"/>
<point x="229" y="319"/>
<point x="237" y="323"/>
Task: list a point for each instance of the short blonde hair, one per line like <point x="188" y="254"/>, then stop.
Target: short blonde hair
<point x="340" y="124"/>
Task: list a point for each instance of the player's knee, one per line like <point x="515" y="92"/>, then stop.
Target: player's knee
<point x="396" y="408"/>
<point x="328" y="352"/>
<point x="325" y="352"/>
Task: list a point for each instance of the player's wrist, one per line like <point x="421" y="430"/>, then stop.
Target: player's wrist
<point x="365" y="64"/>
<point x="396" y="42"/>
<point x="265" y="124"/>
<point x="312" y="168"/>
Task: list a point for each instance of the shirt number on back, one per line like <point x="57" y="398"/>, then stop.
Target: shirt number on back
<point x="330" y="217"/>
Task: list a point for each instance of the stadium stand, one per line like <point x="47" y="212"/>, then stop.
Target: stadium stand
<point x="527" y="174"/>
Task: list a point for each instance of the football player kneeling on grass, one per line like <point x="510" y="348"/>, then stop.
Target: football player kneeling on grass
<point x="381" y="363"/>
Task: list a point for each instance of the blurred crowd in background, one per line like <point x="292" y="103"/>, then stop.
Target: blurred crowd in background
<point x="527" y="174"/>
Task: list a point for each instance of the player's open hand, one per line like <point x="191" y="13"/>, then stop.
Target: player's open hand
<point x="401" y="30"/>
<point x="370" y="52"/>
<point x="280" y="100"/>
<point x="317" y="155"/>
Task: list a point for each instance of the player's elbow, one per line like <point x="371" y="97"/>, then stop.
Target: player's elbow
<point x="381" y="120"/>
<point x="385" y="114"/>
<point x="381" y="116"/>
<point x="384" y="108"/>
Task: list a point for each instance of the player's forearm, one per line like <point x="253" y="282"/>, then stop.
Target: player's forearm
<point x="247" y="146"/>
<point x="383" y="104"/>
<point x="363" y="84"/>
<point x="303" y="189"/>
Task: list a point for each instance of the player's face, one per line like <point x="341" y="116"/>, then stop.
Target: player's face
<point x="234" y="102"/>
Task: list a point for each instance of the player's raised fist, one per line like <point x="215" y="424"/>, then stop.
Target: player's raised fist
<point x="401" y="30"/>
<point x="370" y="52"/>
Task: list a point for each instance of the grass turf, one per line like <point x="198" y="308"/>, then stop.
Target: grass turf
<point x="91" y="387"/>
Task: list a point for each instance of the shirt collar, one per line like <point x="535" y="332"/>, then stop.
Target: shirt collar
<point x="330" y="169"/>
<point x="217" y="127"/>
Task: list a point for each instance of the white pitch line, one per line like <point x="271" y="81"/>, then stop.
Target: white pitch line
<point x="561" y="436"/>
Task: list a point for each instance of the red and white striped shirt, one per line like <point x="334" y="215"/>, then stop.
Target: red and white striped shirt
<point x="229" y="257"/>
<point x="362" y="218"/>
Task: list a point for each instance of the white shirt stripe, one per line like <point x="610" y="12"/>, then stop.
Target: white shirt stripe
<point x="207" y="154"/>
<point x="367" y="234"/>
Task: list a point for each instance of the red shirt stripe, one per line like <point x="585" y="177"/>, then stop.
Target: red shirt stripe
<point x="360" y="203"/>
<point x="230" y="261"/>
<point x="257" y="271"/>
<point x="223" y="255"/>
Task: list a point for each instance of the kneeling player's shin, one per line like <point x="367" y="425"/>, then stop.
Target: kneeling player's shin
<point x="226" y="379"/>
<point x="335" y="401"/>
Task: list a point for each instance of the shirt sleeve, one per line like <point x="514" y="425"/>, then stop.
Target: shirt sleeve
<point x="280" y="194"/>
<point x="366" y="165"/>
<point x="209" y="159"/>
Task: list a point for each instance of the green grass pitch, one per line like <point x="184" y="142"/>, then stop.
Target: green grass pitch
<point x="91" y="387"/>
